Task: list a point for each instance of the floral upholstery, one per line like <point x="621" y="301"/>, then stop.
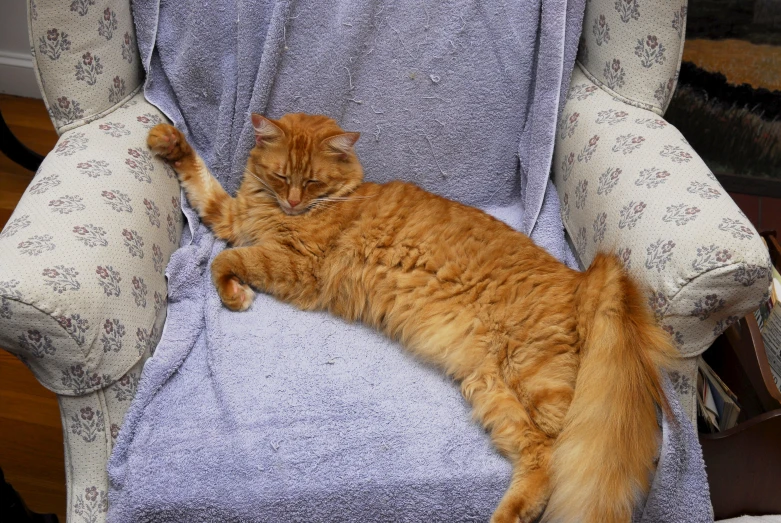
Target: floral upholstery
<point x="632" y="49"/>
<point x="90" y="427"/>
<point x="629" y="182"/>
<point x="82" y="290"/>
<point x="86" y="57"/>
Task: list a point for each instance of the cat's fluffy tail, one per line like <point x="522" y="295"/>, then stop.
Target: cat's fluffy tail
<point x="604" y="458"/>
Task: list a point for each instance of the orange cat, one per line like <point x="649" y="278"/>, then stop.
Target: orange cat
<point x="458" y="288"/>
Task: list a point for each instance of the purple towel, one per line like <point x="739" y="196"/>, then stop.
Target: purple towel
<point x="281" y="415"/>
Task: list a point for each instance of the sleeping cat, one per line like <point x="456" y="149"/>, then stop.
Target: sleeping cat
<point x="460" y="289"/>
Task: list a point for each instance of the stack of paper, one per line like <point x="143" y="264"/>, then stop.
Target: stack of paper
<point x="716" y="403"/>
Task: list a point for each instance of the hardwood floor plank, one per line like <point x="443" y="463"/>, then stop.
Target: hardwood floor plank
<point x="22" y="406"/>
<point x="7" y="167"/>
<point x="5" y="214"/>
<point x="31" y="444"/>
<point x="12" y="186"/>
<point x="32" y="460"/>
<point x="14" y="376"/>
<point x="25" y="112"/>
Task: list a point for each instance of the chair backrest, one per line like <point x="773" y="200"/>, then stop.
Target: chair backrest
<point x="632" y="49"/>
<point x="87" y="62"/>
<point x="85" y="57"/>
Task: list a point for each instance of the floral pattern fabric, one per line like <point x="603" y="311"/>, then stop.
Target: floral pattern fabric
<point x="633" y="48"/>
<point x="85" y="56"/>
<point x="82" y="289"/>
<point x="641" y="192"/>
<point x="91" y="425"/>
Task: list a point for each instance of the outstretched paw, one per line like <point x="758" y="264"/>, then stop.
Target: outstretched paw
<point x="168" y="142"/>
<point x="235" y="295"/>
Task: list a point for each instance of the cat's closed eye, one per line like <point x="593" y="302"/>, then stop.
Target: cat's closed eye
<point x="286" y="179"/>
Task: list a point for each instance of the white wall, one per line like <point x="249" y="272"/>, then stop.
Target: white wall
<point x="16" y="65"/>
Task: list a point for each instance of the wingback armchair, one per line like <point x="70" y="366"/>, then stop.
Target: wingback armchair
<point x="83" y="257"/>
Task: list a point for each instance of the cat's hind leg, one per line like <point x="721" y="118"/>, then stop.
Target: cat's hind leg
<point x="518" y="438"/>
<point x="529" y="490"/>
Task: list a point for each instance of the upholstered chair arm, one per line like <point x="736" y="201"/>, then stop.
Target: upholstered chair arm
<point x="82" y="258"/>
<point x="629" y="183"/>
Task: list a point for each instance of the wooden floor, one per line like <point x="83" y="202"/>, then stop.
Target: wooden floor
<point x="31" y="451"/>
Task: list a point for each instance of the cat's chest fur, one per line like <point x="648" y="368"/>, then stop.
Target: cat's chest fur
<point x="262" y="222"/>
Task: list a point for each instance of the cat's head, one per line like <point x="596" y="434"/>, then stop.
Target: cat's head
<point x="303" y="160"/>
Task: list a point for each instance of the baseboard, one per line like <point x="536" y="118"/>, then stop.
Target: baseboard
<point x="17" y="76"/>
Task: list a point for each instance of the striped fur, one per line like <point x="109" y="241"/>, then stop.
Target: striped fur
<point x="459" y="289"/>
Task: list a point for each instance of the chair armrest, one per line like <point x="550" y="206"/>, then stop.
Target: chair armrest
<point x="629" y="183"/>
<point x="82" y="290"/>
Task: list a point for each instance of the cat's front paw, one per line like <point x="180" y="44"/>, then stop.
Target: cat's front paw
<point x="235" y="295"/>
<point x="168" y="142"/>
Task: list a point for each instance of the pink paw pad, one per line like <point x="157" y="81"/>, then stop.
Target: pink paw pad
<point x="235" y="289"/>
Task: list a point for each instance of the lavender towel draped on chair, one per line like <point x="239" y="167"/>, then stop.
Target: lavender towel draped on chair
<point x="281" y="415"/>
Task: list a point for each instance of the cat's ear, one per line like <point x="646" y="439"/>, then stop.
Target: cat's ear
<point x="341" y="143"/>
<point x="266" y="131"/>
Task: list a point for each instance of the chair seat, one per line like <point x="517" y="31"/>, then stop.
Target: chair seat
<point x="282" y="415"/>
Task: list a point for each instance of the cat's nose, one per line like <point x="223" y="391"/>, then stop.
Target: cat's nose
<point x="293" y="203"/>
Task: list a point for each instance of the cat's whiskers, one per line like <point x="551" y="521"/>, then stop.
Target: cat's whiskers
<point x="342" y="198"/>
<point x="320" y="205"/>
<point x="267" y="186"/>
<point x="268" y="192"/>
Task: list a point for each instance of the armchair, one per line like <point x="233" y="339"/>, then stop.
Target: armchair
<point x="82" y="258"/>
